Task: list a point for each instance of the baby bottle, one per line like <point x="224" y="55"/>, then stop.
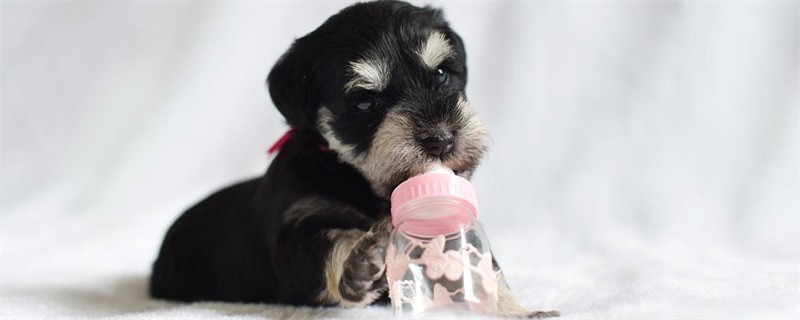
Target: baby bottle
<point x="438" y="258"/>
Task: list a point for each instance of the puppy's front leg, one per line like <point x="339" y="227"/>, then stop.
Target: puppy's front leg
<point x="329" y="253"/>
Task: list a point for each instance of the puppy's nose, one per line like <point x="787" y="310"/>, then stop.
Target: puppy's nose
<point x="439" y="145"/>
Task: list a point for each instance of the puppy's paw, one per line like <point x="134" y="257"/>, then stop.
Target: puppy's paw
<point x="363" y="273"/>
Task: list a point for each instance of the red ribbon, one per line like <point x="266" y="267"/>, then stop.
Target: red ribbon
<point x="285" y="138"/>
<point x="281" y="141"/>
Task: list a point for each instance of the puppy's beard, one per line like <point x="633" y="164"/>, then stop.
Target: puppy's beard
<point x="395" y="154"/>
<point x="471" y="139"/>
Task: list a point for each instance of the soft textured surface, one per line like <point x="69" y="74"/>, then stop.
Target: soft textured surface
<point x="644" y="161"/>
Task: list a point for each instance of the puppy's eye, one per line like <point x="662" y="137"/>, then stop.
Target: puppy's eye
<point x="364" y="104"/>
<point x="441" y="75"/>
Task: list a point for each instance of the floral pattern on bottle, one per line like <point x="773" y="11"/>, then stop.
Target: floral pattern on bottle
<point x="439" y="264"/>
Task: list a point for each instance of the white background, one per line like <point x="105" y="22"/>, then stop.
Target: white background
<point x="644" y="156"/>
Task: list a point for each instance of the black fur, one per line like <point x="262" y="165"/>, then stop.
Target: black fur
<point x="237" y="244"/>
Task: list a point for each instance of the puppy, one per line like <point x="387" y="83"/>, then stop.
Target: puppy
<point x="375" y="96"/>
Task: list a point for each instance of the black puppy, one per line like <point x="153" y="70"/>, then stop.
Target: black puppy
<point x="376" y="96"/>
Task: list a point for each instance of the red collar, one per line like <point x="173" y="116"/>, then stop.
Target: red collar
<point x="285" y="138"/>
<point x="281" y="141"/>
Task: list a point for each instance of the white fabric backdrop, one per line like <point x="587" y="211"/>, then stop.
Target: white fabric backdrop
<point x="644" y="159"/>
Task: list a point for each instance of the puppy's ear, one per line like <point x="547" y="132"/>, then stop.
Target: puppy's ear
<point x="292" y="85"/>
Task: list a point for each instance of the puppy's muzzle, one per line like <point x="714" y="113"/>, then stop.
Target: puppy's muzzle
<point x="439" y="144"/>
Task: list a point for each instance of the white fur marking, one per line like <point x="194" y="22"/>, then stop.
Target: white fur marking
<point x="346" y="152"/>
<point x="368" y="74"/>
<point x="435" y="50"/>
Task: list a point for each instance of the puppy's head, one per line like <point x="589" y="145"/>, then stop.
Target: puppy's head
<point x="383" y="83"/>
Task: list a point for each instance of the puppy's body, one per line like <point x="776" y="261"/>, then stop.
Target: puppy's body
<point x="376" y="96"/>
<point x="264" y="240"/>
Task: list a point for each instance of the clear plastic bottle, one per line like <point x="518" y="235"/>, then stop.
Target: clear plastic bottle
<point x="438" y="258"/>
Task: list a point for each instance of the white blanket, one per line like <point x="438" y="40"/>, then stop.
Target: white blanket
<point x="644" y="159"/>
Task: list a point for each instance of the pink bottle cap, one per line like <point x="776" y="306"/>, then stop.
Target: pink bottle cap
<point x="433" y="186"/>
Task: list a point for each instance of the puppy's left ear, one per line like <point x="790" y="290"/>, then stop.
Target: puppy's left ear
<point x="293" y="87"/>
